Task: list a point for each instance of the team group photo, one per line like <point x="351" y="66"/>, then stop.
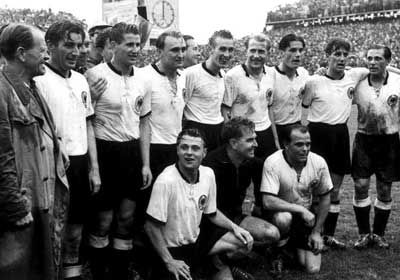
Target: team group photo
<point x="134" y="148"/>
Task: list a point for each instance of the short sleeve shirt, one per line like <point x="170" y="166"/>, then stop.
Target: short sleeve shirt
<point x="281" y="179"/>
<point x="166" y="104"/>
<point x="203" y="96"/>
<point x="249" y="97"/>
<point x="330" y="100"/>
<point x="287" y="95"/>
<point x="378" y="109"/>
<point x="180" y="205"/>
<point x="119" y="109"/>
<point x="70" y="103"/>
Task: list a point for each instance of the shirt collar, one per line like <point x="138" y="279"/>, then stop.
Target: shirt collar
<point x="52" y="68"/>
<point x="384" y="82"/>
<point x="209" y="71"/>
<point x="332" y="78"/>
<point x="246" y="71"/>
<point x="155" y="67"/>
<point x="115" y="70"/>
<point x="283" y="73"/>
<point x="184" y="177"/>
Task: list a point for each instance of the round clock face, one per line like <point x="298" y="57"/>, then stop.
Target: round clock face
<point x="163" y="14"/>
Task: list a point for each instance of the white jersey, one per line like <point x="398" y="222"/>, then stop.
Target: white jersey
<point x="180" y="205"/>
<point x="280" y="178"/>
<point x="378" y="109"/>
<point x="330" y="100"/>
<point x="249" y="97"/>
<point x="119" y="109"/>
<point x="287" y="95"/>
<point x="70" y="103"/>
<point x="166" y="104"/>
<point x="203" y="96"/>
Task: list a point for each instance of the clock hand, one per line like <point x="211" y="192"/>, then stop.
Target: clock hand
<point x="163" y="10"/>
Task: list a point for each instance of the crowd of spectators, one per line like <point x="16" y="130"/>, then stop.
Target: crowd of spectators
<point x="361" y="34"/>
<point x="40" y="18"/>
<point x="304" y="9"/>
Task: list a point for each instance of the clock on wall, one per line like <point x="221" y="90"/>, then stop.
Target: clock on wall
<point x="163" y="14"/>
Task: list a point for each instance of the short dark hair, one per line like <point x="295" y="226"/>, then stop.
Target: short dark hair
<point x="14" y="36"/>
<point x="235" y="127"/>
<point x="287" y="132"/>
<point x="61" y="30"/>
<point x="102" y="38"/>
<point x="387" y="53"/>
<point x="336" y="44"/>
<point x="284" y="43"/>
<point x="118" y="31"/>
<point x="259" y="38"/>
<point x="187" y="37"/>
<point x="225" y="34"/>
<point x="192" y="132"/>
<point x="160" y="42"/>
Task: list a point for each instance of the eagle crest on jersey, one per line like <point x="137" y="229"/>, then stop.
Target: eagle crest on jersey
<point x="138" y="104"/>
<point x="84" y="96"/>
<point x="314" y="183"/>
<point x="350" y="92"/>
<point x="268" y="95"/>
<point x="392" y="100"/>
<point x="202" y="202"/>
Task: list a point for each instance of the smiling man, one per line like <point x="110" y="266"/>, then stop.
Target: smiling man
<point x="248" y="94"/>
<point x="67" y="93"/>
<point x="182" y="195"/>
<point x="122" y="131"/>
<point x="329" y="98"/>
<point x="205" y="89"/>
<point x="292" y="179"/>
<point x="289" y="79"/>
<point x="34" y="188"/>
<point x="376" y="148"/>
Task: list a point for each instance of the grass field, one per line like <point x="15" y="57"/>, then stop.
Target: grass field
<point x="370" y="264"/>
<point x="350" y="264"/>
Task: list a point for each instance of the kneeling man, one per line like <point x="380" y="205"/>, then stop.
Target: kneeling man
<point x="182" y="193"/>
<point x="292" y="179"/>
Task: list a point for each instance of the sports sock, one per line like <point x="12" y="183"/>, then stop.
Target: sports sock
<point x="362" y="208"/>
<point x="120" y="258"/>
<point x="382" y="211"/>
<point x="332" y="218"/>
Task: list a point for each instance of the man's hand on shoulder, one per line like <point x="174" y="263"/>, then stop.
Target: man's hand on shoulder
<point x="178" y="268"/>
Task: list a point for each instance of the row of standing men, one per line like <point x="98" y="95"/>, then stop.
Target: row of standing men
<point x="117" y="114"/>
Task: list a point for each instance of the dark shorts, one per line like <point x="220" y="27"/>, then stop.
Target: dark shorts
<point x="376" y="154"/>
<point x="194" y="255"/>
<point x="79" y="188"/>
<point x="281" y="130"/>
<point x="161" y="156"/>
<point x="210" y="234"/>
<point x="212" y="133"/>
<point x="299" y="234"/>
<point x="120" y="173"/>
<point x="332" y="142"/>
<point x="266" y="143"/>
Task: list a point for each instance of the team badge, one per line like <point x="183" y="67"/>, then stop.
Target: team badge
<point x="84" y="96"/>
<point x="350" y="93"/>
<point x="392" y="100"/>
<point x="184" y="94"/>
<point x="202" y="202"/>
<point x="138" y="104"/>
<point x="314" y="183"/>
<point x="268" y="95"/>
